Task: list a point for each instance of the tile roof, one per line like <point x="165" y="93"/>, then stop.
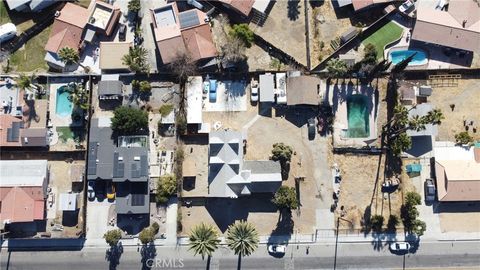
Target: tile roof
<point x="22" y="204"/>
<point x="198" y="41"/>
<point x="242" y="6"/>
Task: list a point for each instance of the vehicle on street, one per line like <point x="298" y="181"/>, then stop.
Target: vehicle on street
<point x="278" y="249"/>
<point x="311" y="128"/>
<point x="122" y="32"/>
<point x="254" y="91"/>
<point x="7" y="31"/>
<point x="110" y="192"/>
<point x="407" y="6"/>
<point x="213" y="91"/>
<point x="91" y="190"/>
<point x="400" y="246"/>
<point x="429" y="190"/>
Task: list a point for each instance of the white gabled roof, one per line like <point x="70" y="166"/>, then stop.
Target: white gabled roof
<point x="22" y="173"/>
<point x="194" y="100"/>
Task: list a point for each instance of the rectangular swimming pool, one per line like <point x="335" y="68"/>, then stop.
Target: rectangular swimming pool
<point x="358" y="117"/>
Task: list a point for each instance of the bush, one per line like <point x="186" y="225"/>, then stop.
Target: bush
<point x="145" y="87"/>
<point x="134" y="6"/>
<point x="112" y="237"/>
<point x="370" y="54"/>
<point x="412" y="198"/>
<point x="128" y="120"/>
<point x="165" y="109"/>
<point x="146" y="236"/>
<point x="155" y="227"/>
<point x="281" y="152"/>
<point x="463" y="138"/>
<point x="242" y="32"/>
<point x="286" y="197"/>
<point x="166" y="187"/>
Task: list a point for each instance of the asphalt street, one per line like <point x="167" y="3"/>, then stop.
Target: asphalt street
<point x="454" y="255"/>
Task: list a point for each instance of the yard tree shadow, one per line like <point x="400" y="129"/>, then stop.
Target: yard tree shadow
<point x="284" y="228"/>
<point x="148" y="253"/>
<point x="113" y="254"/>
<point x="293" y="9"/>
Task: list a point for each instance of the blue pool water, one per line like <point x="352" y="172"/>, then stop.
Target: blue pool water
<point x="357" y="115"/>
<point x="419" y="59"/>
<point x="64" y="106"/>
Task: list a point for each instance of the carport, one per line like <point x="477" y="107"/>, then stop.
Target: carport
<point x="267" y="88"/>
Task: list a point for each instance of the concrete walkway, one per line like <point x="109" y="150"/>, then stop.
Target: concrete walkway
<point x="172" y="212"/>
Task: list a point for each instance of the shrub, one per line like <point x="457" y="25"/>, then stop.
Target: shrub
<point x="463" y="138"/>
<point x="155" y="227"/>
<point x="166" y="187"/>
<point x="370" y="54"/>
<point x="243" y="32"/>
<point x="165" y="109"/>
<point x="112" y="237"/>
<point x="281" y="152"/>
<point x="145" y="87"/>
<point x="146" y="236"/>
<point x="128" y="120"/>
<point x="286" y="197"/>
<point x="181" y="124"/>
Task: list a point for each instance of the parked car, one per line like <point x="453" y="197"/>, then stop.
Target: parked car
<point x="122" y="32"/>
<point x="110" y="192"/>
<point x="311" y="128"/>
<point x="400" y="246"/>
<point x="91" y="190"/>
<point x="429" y="190"/>
<point x="254" y="91"/>
<point x="277" y="249"/>
<point x="407" y="6"/>
<point x="213" y="91"/>
<point x="7" y="31"/>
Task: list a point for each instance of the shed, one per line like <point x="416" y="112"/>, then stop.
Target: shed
<point x="194" y="100"/>
<point x="414" y="168"/>
<point x="349" y="34"/>
<point x="267" y="88"/>
<point x="68" y="201"/>
<point x="110" y="89"/>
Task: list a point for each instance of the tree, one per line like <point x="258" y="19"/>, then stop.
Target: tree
<point x="136" y="60"/>
<point x="145" y="87"/>
<point x="166" y="187"/>
<point x="147" y="235"/>
<point x="233" y="51"/>
<point x="463" y="138"/>
<point x="336" y="67"/>
<point x="377" y="222"/>
<point x="410" y="214"/>
<point x="134" y="6"/>
<point x="112" y="237"/>
<point x="78" y="96"/>
<point x="203" y="240"/>
<point x="400" y="143"/>
<point x="281" y="152"/>
<point x="242" y="32"/>
<point x="435" y="116"/>
<point x="286" y="198"/>
<point x="165" y="109"/>
<point x="68" y="55"/>
<point x="24" y="81"/>
<point x="413" y="198"/>
<point x="183" y="66"/>
<point x="155" y="227"/>
<point x="242" y="238"/>
<point x="128" y="120"/>
<point x="392" y="223"/>
<point x="418" y="227"/>
<point x="370" y="54"/>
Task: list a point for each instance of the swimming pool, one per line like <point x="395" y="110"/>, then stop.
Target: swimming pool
<point x="397" y="56"/>
<point x="64" y="106"/>
<point x="357" y="115"/>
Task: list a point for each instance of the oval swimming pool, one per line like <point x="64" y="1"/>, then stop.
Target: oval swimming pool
<point x="64" y="106"/>
<point x="419" y="59"/>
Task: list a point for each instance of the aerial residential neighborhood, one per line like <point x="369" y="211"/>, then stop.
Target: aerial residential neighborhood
<point x="240" y="134"/>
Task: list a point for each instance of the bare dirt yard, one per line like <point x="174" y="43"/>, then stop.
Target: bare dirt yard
<point x="466" y="98"/>
<point x="460" y="222"/>
<point x="285" y="29"/>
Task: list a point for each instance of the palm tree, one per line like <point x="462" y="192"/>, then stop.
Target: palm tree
<point x="203" y="240"/>
<point x="136" y="60"/>
<point x="24" y="81"/>
<point x="435" y="117"/>
<point x="68" y="55"/>
<point x="242" y="238"/>
<point x="79" y="96"/>
<point x="336" y="67"/>
<point x="417" y="123"/>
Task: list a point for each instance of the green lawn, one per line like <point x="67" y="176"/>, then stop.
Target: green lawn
<point x="4" y="18"/>
<point x="65" y="133"/>
<point x="385" y="35"/>
<point x="31" y="57"/>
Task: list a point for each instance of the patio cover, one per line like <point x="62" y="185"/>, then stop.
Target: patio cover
<point x="68" y="201"/>
<point x="110" y="88"/>
<point x="267" y="88"/>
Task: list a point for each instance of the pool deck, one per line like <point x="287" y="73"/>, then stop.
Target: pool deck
<point x="338" y="99"/>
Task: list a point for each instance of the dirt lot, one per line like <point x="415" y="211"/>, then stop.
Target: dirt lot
<point x="466" y="98"/>
<point x="460" y="222"/>
<point x="285" y="29"/>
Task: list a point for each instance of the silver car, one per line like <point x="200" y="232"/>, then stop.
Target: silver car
<point x="429" y="190"/>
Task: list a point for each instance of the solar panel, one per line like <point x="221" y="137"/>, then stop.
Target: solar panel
<point x="138" y="199"/>
<point x="118" y="166"/>
<point x="13" y="133"/>
<point x="143" y="166"/>
<point x="188" y="19"/>
<point x="92" y="158"/>
<point x="135" y="171"/>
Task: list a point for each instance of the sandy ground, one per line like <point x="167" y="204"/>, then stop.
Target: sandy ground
<point x="466" y="98"/>
<point x="285" y="26"/>
<point x="460" y="222"/>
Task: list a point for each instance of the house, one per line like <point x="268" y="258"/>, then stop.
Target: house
<point x="457" y="28"/>
<point x="230" y="176"/>
<point x="177" y="33"/>
<point x="305" y="90"/>
<point x="111" y="54"/>
<point x="13" y="133"/>
<point x="361" y="5"/>
<point x="123" y="165"/>
<point x="75" y="26"/>
<point x="457" y="171"/>
<point x="267" y="87"/>
<point x="110" y="90"/>
<point x="422" y="140"/>
<point x="23" y="190"/>
<point x="29" y="5"/>
<point x="246" y="7"/>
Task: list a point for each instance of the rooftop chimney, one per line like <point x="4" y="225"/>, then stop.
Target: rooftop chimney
<point x="464" y="23"/>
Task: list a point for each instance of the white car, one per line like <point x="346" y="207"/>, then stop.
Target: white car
<point x="254" y="92"/>
<point x="91" y="191"/>
<point x="277" y="249"/>
<point x="405" y="7"/>
<point x="399" y="246"/>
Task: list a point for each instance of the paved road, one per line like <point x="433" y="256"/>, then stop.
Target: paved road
<point x="350" y="255"/>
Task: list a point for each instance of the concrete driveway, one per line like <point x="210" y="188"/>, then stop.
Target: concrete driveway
<point x="97" y="218"/>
